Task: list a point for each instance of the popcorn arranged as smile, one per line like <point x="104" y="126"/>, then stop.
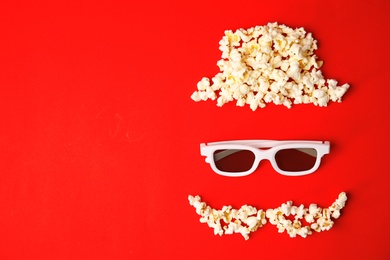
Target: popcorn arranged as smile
<point x="287" y="217"/>
<point x="272" y="63"/>
<point x="318" y="219"/>
<point x="244" y="220"/>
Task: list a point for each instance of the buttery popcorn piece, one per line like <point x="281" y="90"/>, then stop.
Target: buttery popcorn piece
<point x="269" y="64"/>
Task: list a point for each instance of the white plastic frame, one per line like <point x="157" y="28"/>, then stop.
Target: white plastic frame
<point x="208" y="149"/>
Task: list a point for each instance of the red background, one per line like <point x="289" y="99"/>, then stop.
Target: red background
<point x="99" y="138"/>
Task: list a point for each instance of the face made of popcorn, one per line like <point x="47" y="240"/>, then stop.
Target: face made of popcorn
<point x="261" y="65"/>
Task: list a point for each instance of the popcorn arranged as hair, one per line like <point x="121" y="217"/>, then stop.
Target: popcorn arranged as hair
<point x="287" y="217"/>
<point x="271" y="63"/>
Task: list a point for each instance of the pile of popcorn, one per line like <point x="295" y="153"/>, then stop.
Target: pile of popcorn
<point x="248" y="219"/>
<point x="271" y="63"/>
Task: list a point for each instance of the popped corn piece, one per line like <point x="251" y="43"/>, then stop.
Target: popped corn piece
<point x="279" y="99"/>
<point x="294" y="70"/>
<point x="326" y="213"/>
<point x="269" y="97"/>
<point x="232" y="228"/>
<point x="341" y="200"/>
<point x="287" y="103"/>
<point x="244" y="231"/>
<point x="233" y="38"/>
<point x="304" y="232"/>
<point x="241" y="102"/>
<point x="261" y="217"/>
<point x="306" y="99"/>
<point x="322" y="102"/>
<point x="203" y="84"/>
<point x="249" y="97"/>
<point x="286" y="208"/>
<point x="298" y="100"/>
<point x="226" y="215"/>
<point x="321" y="96"/>
<point x="243" y="35"/>
<point x="313" y="209"/>
<point x="309" y="218"/>
<point x="195" y="96"/>
<point x="203" y="95"/>
<point x="271" y="214"/>
<point x="217" y="227"/>
<point x="319" y="93"/>
<point x="198" y="205"/>
<point x="298" y="212"/>
<point x="244" y="89"/>
<point x="284" y="65"/>
<point x="210" y="93"/>
<point x="217" y="81"/>
<point x="252" y="222"/>
<point x="254" y="104"/>
<point x="324" y="224"/>
<point x="221" y="100"/>
<point x="340" y="91"/>
<point x="265" y="58"/>
<point x="336" y="214"/>
<point x="315" y="227"/>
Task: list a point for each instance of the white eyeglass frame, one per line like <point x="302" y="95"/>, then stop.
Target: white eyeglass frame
<point x="208" y="149"/>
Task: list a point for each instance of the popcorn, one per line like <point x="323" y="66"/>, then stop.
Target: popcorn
<point x="286" y="208"/>
<point x="203" y="84"/>
<point x="195" y="96"/>
<point x="287" y="218"/>
<point x="274" y="60"/>
<point x="318" y="219"/>
<point x="245" y="220"/>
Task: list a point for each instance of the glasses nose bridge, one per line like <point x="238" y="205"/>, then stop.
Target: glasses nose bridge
<point x="262" y="154"/>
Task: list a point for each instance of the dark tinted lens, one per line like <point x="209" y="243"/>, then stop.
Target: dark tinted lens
<point x="296" y="159"/>
<point x="233" y="160"/>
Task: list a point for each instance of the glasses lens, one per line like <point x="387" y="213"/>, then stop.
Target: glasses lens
<point x="296" y="159"/>
<point x="234" y="160"/>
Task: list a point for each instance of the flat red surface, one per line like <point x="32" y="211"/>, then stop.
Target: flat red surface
<point x="99" y="138"/>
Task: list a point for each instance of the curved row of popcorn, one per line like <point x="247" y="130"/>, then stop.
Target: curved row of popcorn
<point x="271" y="63"/>
<point x="287" y="217"/>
